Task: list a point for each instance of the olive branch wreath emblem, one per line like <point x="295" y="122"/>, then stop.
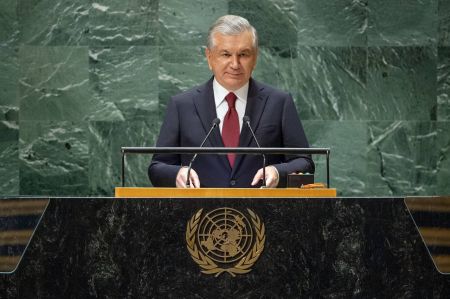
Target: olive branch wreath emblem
<point x="208" y="265"/>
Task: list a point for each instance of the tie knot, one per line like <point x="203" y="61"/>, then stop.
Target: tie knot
<point x="231" y="99"/>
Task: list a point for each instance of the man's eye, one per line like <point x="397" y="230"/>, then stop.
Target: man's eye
<point x="226" y="54"/>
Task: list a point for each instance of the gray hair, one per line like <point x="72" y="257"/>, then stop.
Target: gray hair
<point x="231" y="25"/>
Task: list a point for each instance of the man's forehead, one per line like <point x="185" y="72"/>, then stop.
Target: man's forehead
<point x="224" y="48"/>
<point x="242" y="42"/>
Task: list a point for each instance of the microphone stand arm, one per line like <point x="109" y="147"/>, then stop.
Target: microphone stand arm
<point x="188" y="181"/>
<point x="263" y="155"/>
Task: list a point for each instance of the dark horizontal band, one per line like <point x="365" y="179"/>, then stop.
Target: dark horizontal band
<point x="225" y="150"/>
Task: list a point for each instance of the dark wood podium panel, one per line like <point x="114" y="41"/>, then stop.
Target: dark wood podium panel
<point x="306" y="248"/>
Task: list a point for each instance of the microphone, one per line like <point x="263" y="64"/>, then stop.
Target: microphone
<point x="215" y="123"/>
<point x="246" y="120"/>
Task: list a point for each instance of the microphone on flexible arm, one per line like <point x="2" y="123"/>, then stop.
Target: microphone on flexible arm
<point x="246" y="120"/>
<point x="215" y="123"/>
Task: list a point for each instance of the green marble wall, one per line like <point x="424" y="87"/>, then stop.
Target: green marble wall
<point x="79" y="79"/>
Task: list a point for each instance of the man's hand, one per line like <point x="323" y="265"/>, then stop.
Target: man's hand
<point x="272" y="177"/>
<point x="182" y="177"/>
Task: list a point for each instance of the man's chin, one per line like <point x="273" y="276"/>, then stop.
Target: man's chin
<point x="233" y="84"/>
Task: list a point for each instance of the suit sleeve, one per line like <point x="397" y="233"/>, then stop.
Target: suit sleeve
<point x="164" y="168"/>
<point x="293" y="136"/>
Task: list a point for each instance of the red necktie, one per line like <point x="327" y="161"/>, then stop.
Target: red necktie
<point x="230" y="129"/>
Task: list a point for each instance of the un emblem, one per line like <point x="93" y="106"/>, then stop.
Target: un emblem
<point x="225" y="240"/>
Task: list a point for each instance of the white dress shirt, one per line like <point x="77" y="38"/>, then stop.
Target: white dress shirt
<point x="222" y="106"/>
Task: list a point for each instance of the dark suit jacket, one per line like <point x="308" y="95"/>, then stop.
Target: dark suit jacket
<point x="189" y="116"/>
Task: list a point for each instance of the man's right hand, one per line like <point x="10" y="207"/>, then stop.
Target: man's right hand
<point x="182" y="177"/>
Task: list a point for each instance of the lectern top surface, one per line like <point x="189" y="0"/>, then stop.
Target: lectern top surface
<point x="221" y="192"/>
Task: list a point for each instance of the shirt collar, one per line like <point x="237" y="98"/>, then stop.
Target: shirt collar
<point x="221" y="92"/>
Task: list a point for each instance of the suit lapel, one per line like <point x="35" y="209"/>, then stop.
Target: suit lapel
<point x="206" y="110"/>
<point x="256" y="101"/>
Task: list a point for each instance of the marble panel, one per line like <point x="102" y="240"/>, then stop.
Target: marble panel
<point x="327" y="83"/>
<point x="105" y="141"/>
<point x="181" y="68"/>
<point x="276" y="68"/>
<point x="444" y="22"/>
<point x="54" y="158"/>
<point x="347" y="141"/>
<point x="332" y="82"/>
<point x="181" y="23"/>
<point x="9" y="25"/>
<point x="332" y="23"/>
<point x="54" y="84"/>
<point x="54" y="23"/>
<point x="402" y="158"/>
<point x="402" y="23"/>
<point x="401" y="83"/>
<point x="443" y="159"/>
<point x="9" y="74"/>
<point x="117" y="22"/>
<point x="274" y="20"/>
<point x="9" y="157"/>
<point x="124" y="83"/>
<point x="443" y="84"/>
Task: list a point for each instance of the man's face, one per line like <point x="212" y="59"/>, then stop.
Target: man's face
<point x="232" y="59"/>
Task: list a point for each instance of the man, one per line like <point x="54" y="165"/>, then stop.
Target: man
<point x="230" y="95"/>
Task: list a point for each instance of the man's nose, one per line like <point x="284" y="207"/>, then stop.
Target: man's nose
<point x="235" y="61"/>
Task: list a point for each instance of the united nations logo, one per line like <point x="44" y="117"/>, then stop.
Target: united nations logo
<point x="225" y="240"/>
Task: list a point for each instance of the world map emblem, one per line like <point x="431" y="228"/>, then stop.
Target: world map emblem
<point x="225" y="240"/>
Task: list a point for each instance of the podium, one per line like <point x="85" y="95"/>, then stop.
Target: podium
<point x="273" y="245"/>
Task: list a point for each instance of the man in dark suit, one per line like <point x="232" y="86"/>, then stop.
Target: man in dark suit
<point x="230" y="95"/>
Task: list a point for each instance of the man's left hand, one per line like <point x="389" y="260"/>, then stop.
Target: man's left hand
<point x="272" y="177"/>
